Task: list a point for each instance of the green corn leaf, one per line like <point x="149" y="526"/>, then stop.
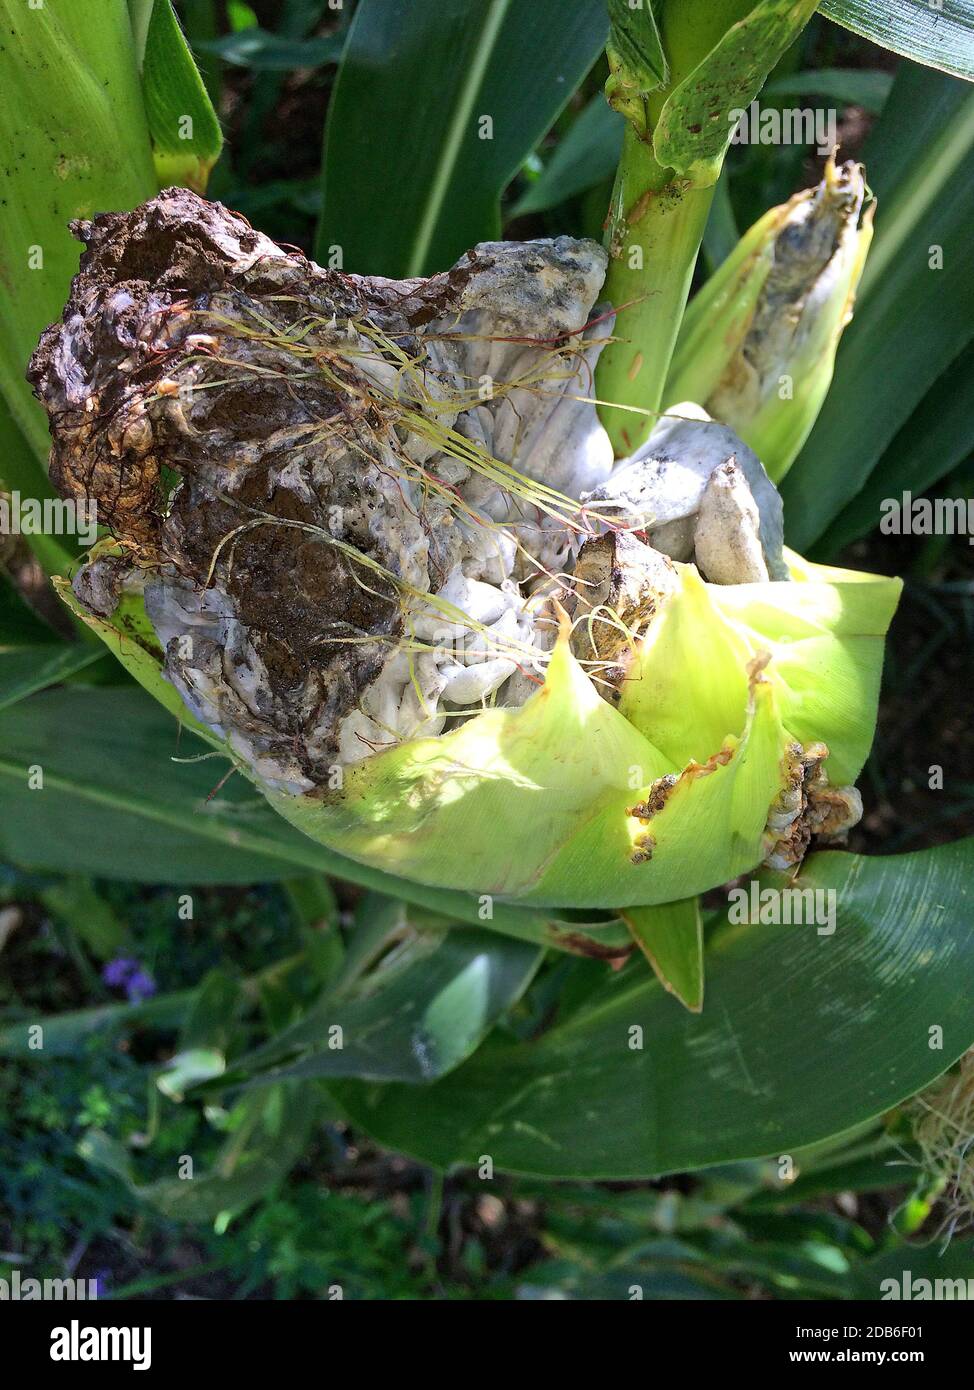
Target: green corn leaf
<point x="22" y="672"/>
<point x="435" y="109"/>
<point x="912" y="319"/>
<point x="115" y="805"/>
<point x="671" y="938"/>
<point x="917" y="154"/>
<point x="185" y="130"/>
<point x="805" y="1035"/>
<point x="694" y="130"/>
<point x="261" y="51"/>
<point x="65" y="1034"/>
<point x="32" y="656"/>
<point x="74" y="133"/>
<point x="635" y="47"/>
<point x="911" y="1263"/>
<point x="865" y="87"/>
<point x="588" y="154"/>
<point x="422" y="1011"/>
<point x="938" y="36"/>
<point x="935" y="440"/>
<point x="313" y="901"/>
<point x="20" y="626"/>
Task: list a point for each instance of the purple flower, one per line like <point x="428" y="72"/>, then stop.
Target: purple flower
<point x="125" y="972"/>
<point x="140" y="986"/>
<point x="117" y="972"/>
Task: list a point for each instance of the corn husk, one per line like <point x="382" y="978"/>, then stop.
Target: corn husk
<point x="758" y="343"/>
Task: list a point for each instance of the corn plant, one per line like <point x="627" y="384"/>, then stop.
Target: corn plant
<point x="462" y="570"/>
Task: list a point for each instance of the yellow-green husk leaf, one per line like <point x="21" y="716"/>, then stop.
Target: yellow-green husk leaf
<point x="823" y="632"/>
<point x="769" y="386"/>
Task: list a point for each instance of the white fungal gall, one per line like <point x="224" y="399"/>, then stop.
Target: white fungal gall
<point x="727" y="538"/>
<point x="663" y="485"/>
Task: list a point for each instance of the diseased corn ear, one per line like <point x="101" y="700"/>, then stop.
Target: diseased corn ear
<point x="758" y="343"/>
<point x="569" y="800"/>
<point x="337" y="531"/>
<point x="561" y="801"/>
<point x="218" y="395"/>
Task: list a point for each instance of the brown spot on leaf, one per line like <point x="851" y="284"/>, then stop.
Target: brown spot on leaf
<point x="581" y="945"/>
<point x="643" y="849"/>
<point x="655" y="799"/>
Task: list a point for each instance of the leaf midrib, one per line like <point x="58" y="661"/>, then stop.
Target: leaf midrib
<point x="450" y="149"/>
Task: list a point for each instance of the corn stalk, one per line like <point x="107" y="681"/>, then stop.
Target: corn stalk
<point x="680" y="68"/>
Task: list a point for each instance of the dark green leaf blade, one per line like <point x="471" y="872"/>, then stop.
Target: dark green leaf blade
<point x="65" y="1033"/>
<point x="415" y="1017"/>
<point x="20" y="626"/>
<point x="938" y="36"/>
<point x="865" y="87"/>
<point x="435" y="109"/>
<point x="670" y="936"/>
<point x="803" y="1036"/>
<point x="113" y="804"/>
<point x="897" y="1273"/>
<point x="935" y="440"/>
<point x="261" y="51"/>
<point x="23" y="671"/>
<point x="588" y="154"/>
